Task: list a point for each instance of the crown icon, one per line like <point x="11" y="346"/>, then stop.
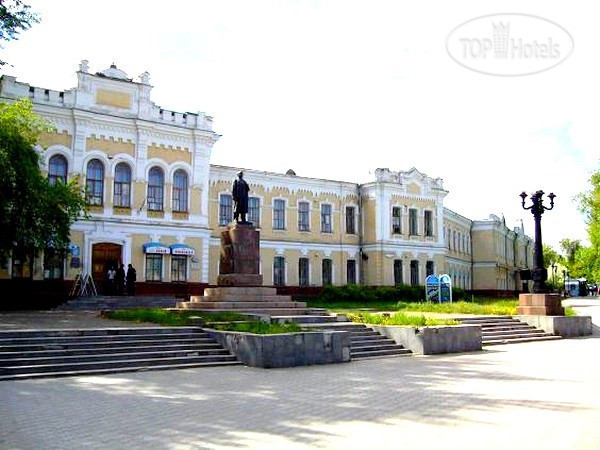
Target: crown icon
<point x="500" y="33"/>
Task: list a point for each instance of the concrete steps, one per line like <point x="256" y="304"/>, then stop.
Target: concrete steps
<point x="364" y="341"/>
<point x="496" y="330"/>
<point x="53" y="353"/>
<point x="245" y="300"/>
<point x="111" y="303"/>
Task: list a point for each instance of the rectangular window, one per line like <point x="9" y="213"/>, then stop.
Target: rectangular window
<point x="278" y="214"/>
<point x="414" y="272"/>
<point x="53" y="264"/>
<point x="94" y="192"/>
<point x="396" y="220"/>
<point x="428" y="217"/>
<point x="225" y="209"/>
<point x="412" y="222"/>
<point x="122" y="194"/>
<point x="327" y="272"/>
<point x="398" y="272"/>
<point x="303" y="216"/>
<point x="350" y="220"/>
<point x="429" y="268"/>
<point x="21" y="263"/>
<point x="179" y="268"/>
<point x="155" y="198"/>
<point x="154" y="267"/>
<point x="254" y="211"/>
<point x="180" y="201"/>
<point x="279" y="271"/>
<point x="303" y="269"/>
<point x="351" y="271"/>
<point x="326" y="219"/>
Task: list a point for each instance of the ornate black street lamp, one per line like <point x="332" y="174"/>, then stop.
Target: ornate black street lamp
<point x="539" y="273"/>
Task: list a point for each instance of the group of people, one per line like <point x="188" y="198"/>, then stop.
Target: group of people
<point x="117" y="280"/>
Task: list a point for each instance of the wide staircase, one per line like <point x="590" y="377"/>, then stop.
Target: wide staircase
<point x="107" y="302"/>
<point x="248" y="300"/>
<point x="364" y="341"/>
<point x="497" y="330"/>
<point x="53" y="353"/>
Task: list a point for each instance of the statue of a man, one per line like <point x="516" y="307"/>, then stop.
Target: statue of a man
<point x="240" y="198"/>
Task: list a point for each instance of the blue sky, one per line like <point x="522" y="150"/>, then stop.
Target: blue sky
<point x="336" y="89"/>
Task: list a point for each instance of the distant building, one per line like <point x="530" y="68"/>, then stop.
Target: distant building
<point x="155" y="201"/>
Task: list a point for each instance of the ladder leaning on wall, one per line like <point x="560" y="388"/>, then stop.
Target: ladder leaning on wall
<point x="84" y="286"/>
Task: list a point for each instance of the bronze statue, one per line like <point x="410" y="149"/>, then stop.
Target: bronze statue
<point x="239" y="194"/>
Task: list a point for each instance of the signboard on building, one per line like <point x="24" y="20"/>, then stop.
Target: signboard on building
<point x="156" y="248"/>
<point x="182" y="249"/>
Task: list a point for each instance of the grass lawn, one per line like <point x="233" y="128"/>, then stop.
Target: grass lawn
<point x="479" y="307"/>
<point x="226" y="321"/>
<point x="399" y="319"/>
<point x="170" y="318"/>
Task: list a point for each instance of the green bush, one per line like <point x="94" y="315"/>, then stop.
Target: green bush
<point x="369" y="294"/>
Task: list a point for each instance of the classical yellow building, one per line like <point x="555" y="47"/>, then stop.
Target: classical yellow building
<point x="155" y="201"/>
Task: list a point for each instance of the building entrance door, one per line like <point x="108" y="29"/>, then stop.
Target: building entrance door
<point x="104" y="256"/>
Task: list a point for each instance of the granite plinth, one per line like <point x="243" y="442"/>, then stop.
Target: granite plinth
<point x="239" y="279"/>
<point x="240" y="256"/>
<point x="540" y="305"/>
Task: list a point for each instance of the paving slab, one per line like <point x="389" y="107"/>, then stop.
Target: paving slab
<point x="543" y="395"/>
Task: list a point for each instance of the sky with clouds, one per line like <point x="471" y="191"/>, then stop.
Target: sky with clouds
<point x="336" y="89"/>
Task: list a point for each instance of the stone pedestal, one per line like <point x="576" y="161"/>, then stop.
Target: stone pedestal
<point x="240" y="256"/>
<point x="540" y="305"/>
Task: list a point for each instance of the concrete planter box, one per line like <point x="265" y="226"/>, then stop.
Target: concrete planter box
<point x="433" y="340"/>
<point x="561" y="325"/>
<point x="286" y="350"/>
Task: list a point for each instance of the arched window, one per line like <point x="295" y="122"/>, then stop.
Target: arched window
<point x="57" y="170"/>
<point x="122" y="186"/>
<point x="180" y="191"/>
<point x="156" y="184"/>
<point x="94" y="182"/>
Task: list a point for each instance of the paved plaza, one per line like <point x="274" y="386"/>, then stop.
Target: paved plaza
<point x="542" y="395"/>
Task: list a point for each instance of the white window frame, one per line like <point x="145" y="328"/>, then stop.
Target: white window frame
<point x="285" y="214"/>
<point x="330" y="215"/>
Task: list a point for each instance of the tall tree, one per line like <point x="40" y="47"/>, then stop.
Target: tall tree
<point x="570" y="248"/>
<point x="551" y="256"/>
<point x="589" y="205"/>
<point x="34" y="214"/>
<point x="15" y="16"/>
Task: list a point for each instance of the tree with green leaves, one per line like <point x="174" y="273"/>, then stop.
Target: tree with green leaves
<point x="570" y="247"/>
<point x="589" y="205"/>
<point x="15" y="16"/>
<point x="34" y="214"/>
<point x="551" y="256"/>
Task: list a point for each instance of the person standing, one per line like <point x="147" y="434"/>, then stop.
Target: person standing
<point x="110" y="276"/>
<point x="120" y="279"/>
<point x="131" y="277"/>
